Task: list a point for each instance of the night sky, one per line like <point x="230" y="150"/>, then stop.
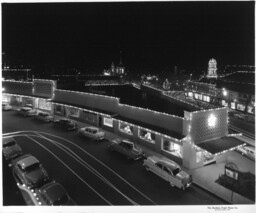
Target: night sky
<point x="152" y="36"/>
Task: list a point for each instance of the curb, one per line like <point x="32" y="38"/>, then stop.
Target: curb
<point x="210" y="192"/>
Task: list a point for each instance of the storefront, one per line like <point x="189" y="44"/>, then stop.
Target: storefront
<point x="251" y="109"/>
<point x="172" y="148"/>
<point x="224" y="103"/>
<point x="241" y="107"/>
<point x="147" y="135"/>
<point x="206" y="98"/>
<point x="43" y="104"/>
<point x="125" y="128"/>
<point x="233" y="105"/>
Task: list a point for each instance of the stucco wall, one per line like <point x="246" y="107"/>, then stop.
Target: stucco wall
<point x="94" y="101"/>
<point x="201" y="127"/>
<point x="162" y="120"/>
<point x="16" y="87"/>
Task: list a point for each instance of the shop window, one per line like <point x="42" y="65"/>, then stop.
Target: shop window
<point x="126" y="128"/>
<point x="74" y="112"/>
<point x="200" y="97"/>
<point x="190" y="94"/>
<point x="92" y="117"/>
<point x="206" y="98"/>
<point x="146" y="135"/>
<point x="6" y="98"/>
<point x="198" y="156"/>
<point x="44" y="104"/>
<point x="224" y="103"/>
<point x="196" y="96"/>
<point x="173" y="148"/>
<point x="250" y="109"/>
<point x="233" y="105"/>
<point x="241" y="107"/>
<point x="108" y="122"/>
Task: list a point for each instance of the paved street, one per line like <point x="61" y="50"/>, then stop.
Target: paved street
<point x="90" y="173"/>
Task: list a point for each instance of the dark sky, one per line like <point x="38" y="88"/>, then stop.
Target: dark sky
<point x="151" y="35"/>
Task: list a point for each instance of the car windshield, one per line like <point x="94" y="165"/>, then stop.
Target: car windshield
<point x="176" y="171"/>
<point x="61" y="200"/>
<point x="12" y="143"/>
<point x="32" y="167"/>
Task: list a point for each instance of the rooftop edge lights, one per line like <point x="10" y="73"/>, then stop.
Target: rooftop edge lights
<point x="87" y="93"/>
<point x="154" y="111"/>
<point x="82" y="109"/>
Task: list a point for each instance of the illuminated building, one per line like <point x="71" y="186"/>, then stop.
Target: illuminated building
<point x="212" y="68"/>
<point x="194" y="140"/>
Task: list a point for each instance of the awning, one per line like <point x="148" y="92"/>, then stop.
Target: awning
<point x="221" y="145"/>
<point x="94" y="110"/>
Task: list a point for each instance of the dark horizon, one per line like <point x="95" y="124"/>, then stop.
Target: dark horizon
<point x="153" y="36"/>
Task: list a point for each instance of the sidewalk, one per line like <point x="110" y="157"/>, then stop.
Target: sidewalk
<point x="204" y="177"/>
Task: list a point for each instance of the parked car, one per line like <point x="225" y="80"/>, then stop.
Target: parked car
<point x="247" y="151"/>
<point x="6" y="107"/>
<point x="127" y="148"/>
<point x="169" y="171"/>
<point x="44" y="116"/>
<point x="54" y="194"/>
<point x="29" y="171"/>
<point x="92" y="132"/>
<point x="26" y="111"/>
<point x="11" y="149"/>
<point x="66" y="124"/>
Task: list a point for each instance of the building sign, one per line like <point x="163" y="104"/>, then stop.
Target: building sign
<point x="212" y="120"/>
<point x="231" y="170"/>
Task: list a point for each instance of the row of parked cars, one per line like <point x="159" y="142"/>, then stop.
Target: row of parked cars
<point x="165" y="168"/>
<point x="29" y="172"/>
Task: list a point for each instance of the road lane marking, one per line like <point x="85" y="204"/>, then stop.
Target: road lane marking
<point x="86" y="165"/>
<point x="71" y="170"/>
<point x="133" y="187"/>
<point x="145" y="196"/>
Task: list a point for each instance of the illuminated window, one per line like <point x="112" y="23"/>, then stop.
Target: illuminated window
<point x="250" y="109"/>
<point x="196" y="96"/>
<point x="206" y="98"/>
<point x="190" y="94"/>
<point x="233" y="105"/>
<point x="126" y="128"/>
<point x="43" y="104"/>
<point x="241" y="107"/>
<point x="73" y="112"/>
<point x="173" y="148"/>
<point x="200" y="97"/>
<point x="108" y="122"/>
<point x="224" y="103"/>
<point x="146" y="135"/>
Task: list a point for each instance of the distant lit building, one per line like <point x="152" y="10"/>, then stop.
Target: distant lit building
<point x="212" y="69"/>
<point x="235" y="90"/>
<point x="115" y="70"/>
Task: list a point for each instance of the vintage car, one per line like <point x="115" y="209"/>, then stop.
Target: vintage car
<point x="29" y="171"/>
<point x="44" y="116"/>
<point x="6" y="107"/>
<point x="26" y="111"/>
<point x="92" y="132"/>
<point x="66" y="124"/>
<point x="247" y="151"/>
<point x="127" y="148"/>
<point x="54" y="194"/>
<point x="11" y="149"/>
<point x="169" y="171"/>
